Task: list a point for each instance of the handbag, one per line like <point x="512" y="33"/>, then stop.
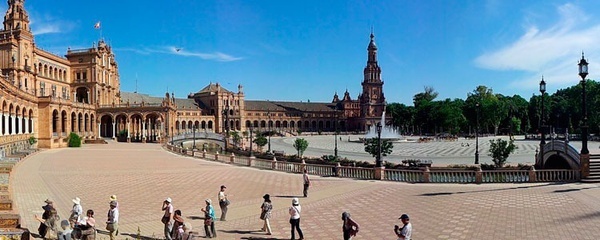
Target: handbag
<point x="165" y="220"/>
<point x="226" y="202"/>
<point x="208" y="221"/>
<point x="263" y="215"/>
<point x="110" y="227"/>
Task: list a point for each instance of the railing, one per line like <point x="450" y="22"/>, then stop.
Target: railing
<point x="505" y="176"/>
<point x="126" y="105"/>
<point x="403" y="175"/>
<point x="557" y="175"/>
<point x="451" y="176"/>
<point x="320" y="170"/>
<point x="356" y="172"/>
<point x="424" y="175"/>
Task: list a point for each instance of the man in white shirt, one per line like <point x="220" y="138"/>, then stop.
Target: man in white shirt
<point x="306" y="182"/>
<point x="404" y="232"/>
<point x="112" y="224"/>
<point x="166" y="219"/>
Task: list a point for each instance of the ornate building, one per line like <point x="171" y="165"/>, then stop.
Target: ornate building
<point x="46" y="96"/>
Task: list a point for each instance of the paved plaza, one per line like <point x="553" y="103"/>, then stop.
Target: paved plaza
<point x="442" y="153"/>
<point x="143" y="175"/>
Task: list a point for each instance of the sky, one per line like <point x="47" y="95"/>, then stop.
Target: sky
<point x="308" y="50"/>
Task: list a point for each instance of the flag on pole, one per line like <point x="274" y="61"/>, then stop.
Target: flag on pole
<point x="97" y="25"/>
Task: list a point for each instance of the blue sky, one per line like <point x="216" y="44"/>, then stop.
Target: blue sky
<point x="307" y="50"/>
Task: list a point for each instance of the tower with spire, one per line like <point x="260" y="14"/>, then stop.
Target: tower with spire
<point x="372" y="100"/>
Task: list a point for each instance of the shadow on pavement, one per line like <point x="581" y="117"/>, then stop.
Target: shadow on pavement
<point x="287" y="196"/>
<point x="504" y="189"/>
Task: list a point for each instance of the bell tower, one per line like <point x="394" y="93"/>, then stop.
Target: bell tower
<point x="16" y="17"/>
<point x="372" y="101"/>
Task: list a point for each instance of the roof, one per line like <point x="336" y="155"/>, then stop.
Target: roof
<point x="253" y="105"/>
<point x="186" y="103"/>
<point x="213" y="87"/>
<point x="133" y="97"/>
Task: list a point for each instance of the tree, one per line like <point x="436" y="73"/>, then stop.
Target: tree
<point x="300" y="145"/>
<point x="74" y="140"/>
<point x="236" y="137"/>
<point x="500" y="150"/>
<point x="371" y="147"/>
<point x="260" y="141"/>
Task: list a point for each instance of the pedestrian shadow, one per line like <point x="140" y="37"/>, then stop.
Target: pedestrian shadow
<point x="136" y="236"/>
<point x="286" y="196"/>
<point x="264" y="238"/>
<point x="241" y="231"/>
<point x="196" y="217"/>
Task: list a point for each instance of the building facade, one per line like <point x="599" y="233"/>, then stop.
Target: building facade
<point x="46" y="97"/>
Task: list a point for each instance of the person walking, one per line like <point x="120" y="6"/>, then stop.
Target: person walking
<point x="65" y="233"/>
<point x="265" y="214"/>
<point x="50" y="223"/>
<point x="404" y="232"/>
<point x="112" y="223"/>
<point x="43" y="228"/>
<point x="223" y="202"/>
<point x="209" y="219"/>
<point x="76" y="212"/>
<point x="167" y="216"/>
<point x="177" y="225"/>
<point x="88" y="229"/>
<point x="349" y="227"/>
<point x="295" y="210"/>
<point x="306" y="182"/>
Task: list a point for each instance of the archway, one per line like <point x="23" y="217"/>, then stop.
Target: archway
<point x="556" y="161"/>
<point x="106" y="123"/>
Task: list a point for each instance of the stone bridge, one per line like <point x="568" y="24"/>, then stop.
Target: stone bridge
<point x="187" y="140"/>
<point x="558" y="154"/>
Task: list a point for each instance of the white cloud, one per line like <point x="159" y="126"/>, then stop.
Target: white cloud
<point x="552" y="52"/>
<point x="216" y="56"/>
<point x="39" y="29"/>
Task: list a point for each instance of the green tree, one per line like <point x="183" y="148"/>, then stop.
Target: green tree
<point x="403" y="116"/>
<point x="500" y="150"/>
<point x="424" y="110"/>
<point x="235" y="136"/>
<point x="371" y="147"/>
<point x="74" y="140"/>
<point x="260" y="141"/>
<point x="300" y="145"/>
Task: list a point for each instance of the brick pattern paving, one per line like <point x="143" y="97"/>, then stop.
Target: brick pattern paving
<point x="142" y="175"/>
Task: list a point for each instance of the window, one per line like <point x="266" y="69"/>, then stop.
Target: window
<point x="53" y="91"/>
<point x="78" y="75"/>
<point x="84" y="75"/>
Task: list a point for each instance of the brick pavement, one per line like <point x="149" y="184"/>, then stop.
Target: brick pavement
<point x="142" y="175"/>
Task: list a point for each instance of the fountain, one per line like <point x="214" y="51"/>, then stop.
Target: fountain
<point x="388" y="132"/>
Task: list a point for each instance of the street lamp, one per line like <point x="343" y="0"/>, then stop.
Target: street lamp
<point x="269" y="128"/>
<point x="167" y="125"/>
<point x="335" y="133"/>
<point x="378" y="159"/>
<point x="583" y="72"/>
<point x="226" y="126"/>
<point x="477" y="133"/>
<point x="251" y="154"/>
<point x="543" y="121"/>
<point x="194" y="141"/>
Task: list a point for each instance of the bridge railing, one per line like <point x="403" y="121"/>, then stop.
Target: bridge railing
<point x="564" y="147"/>
<point x="425" y="175"/>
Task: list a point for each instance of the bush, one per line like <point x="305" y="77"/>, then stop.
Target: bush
<point x="32" y="140"/>
<point x="74" y="140"/>
<point x="485" y="166"/>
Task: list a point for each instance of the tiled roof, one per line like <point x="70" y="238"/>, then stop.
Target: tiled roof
<point x="186" y="103"/>
<point x="252" y="105"/>
<point x="139" y="98"/>
<point x="213" y="87"/>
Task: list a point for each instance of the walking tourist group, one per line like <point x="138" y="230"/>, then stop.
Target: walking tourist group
<point x="80" y="226"/>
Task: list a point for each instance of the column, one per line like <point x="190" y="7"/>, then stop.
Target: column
<point x="128" y="128"/>
<point x="12" y="123"/>
<point x="99" y="127"/>
<point x="144" y="122"/>
<point x="26" y="127"/>
<point x="32" y="122"/>
<point x="2" y="134"/>
<point x="113" y="129"/>
<point x="160" y="127"/>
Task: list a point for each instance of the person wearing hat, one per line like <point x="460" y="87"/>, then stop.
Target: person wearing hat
<point x="350" y="227"/>
<point x="166" y="219"/>
<point x="114" y="198"/>
<point x="112" y="223"/>
<point x="294" y="211"/>
<point x="265" y="213"/>
<point x="43" y="228"/>
<point x="223" y="202"/>
<point x="209" y="219"/>
<point x="76" y="212"/>
<point x="404" y="232"/>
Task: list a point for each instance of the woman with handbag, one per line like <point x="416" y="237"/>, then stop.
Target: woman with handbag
<point x="209" y="219"/>
<point x="223" y="202"/>
<point x="350" y="227"/>
<point x="177" y="225"/>
<point x="50" y="224"/>
<point x="295" y="210"/>
<point x="265" y="213"/>
<point x="86" y="229"/>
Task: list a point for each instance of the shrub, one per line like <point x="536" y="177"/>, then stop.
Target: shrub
<point x="485" y="166"/>
<point x="74" y="140"/>
<point x="500" y="150"/>
<point x="32" y="140"/>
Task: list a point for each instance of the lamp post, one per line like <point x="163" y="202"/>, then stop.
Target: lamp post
<point x="378" y="159"/>
<point x="226" y="126"/>
<point x="251" y="154"/>
<point x="269" y="128"/>
<point x="194" y="136"/>
<point x="583" y="72"/>
<point x="477" y="133"/>
<point x="167" y="125"/>
<point x="335" y="133"/>
<point x="543" y="121"/>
